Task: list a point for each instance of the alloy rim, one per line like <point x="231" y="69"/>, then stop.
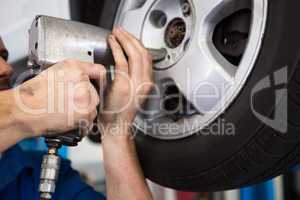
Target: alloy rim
<point x="212" y="48"/>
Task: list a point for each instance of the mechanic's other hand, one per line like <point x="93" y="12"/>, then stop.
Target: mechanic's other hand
<point x="132" y="84"/>
<point x="59" y="98"/>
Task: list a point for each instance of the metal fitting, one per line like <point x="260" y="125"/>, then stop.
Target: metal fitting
<point x="49" y="174"/>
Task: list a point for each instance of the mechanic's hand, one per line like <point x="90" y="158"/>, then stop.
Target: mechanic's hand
<point x="132" y="84"/>
<point x="59" y="98"/>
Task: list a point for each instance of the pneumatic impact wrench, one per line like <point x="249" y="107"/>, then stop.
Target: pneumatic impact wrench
<point x="52" y="40"/>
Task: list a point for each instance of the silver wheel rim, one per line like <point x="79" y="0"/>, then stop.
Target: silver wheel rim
<point x="206" y="79"/>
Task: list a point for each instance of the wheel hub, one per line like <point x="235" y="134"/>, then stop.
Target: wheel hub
<point x="169" y="25"/>
<point x="212" y="48"/>
<point x="175" y="33"/>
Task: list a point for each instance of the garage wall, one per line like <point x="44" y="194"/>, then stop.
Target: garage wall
<point x="16" y="17"/>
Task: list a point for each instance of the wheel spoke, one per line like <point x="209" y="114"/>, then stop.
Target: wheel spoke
<point x="225" y="69"/>
<point x="131" y="18"/>
<point x="172" y="10"/>
<point x="204" y="8"/>
<point x="155" y="33"/>
<point x="216" y="10"/>
<point x="204" y="80"/>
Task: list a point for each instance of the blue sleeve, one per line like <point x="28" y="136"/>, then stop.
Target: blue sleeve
<point x="70" y="186"/>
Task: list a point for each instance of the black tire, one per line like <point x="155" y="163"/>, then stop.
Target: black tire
<point x="256" y="152"/>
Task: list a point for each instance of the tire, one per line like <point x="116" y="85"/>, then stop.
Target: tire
<point x="256" y="152"/>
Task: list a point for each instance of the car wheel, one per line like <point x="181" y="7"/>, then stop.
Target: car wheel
<point x="218" y="117"/>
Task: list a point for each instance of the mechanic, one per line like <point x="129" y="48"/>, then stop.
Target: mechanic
<point x="20" y="170"/>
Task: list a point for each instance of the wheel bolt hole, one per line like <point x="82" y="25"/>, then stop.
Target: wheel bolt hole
<point x="175" y="104"/>
<point x="186" y="8"/>
<point x="158" y="18"/>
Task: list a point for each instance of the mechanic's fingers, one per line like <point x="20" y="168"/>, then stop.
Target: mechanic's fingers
<point x="87" y="122"/>
<point x="145" y="55"/>
<point x="122" y="67"/>
<point x="92" y="116"/>
<point x="95" y="100"/>
<point x="85" y="97"/>
<point x="94" y="71"/>
<point x="137" y="43"/>
<point x="133" y="53"/>
<point x="118" y="54"/>
<point x="148" y="71"/>
<point x="87" y="110"/>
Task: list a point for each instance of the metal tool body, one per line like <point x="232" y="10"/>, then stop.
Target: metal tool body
<point x="52" y="40"/>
